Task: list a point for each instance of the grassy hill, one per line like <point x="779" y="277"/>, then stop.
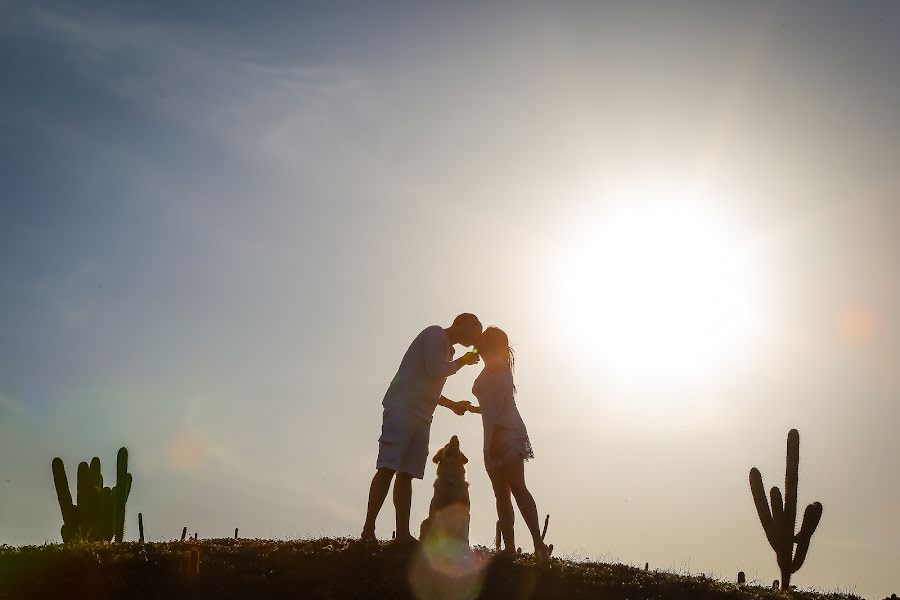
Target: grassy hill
<point x="335" y="568"/>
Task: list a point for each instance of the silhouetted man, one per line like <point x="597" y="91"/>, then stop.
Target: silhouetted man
<point x="409" y="406"/>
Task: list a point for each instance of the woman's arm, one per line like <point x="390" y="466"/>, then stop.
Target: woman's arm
<point x="474" y="409"/>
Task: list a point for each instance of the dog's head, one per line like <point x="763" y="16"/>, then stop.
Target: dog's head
<point x="450" y="461"/>
<point x="450" y="452"/>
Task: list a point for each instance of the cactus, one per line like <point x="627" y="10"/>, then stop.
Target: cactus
<point x="779" y="522"/>
<point x="141" y="528"/>
<point x="183" y="533"/>
<point x="120" y="492"/>
<point x="100" y="512"/>
<point x="69" y="511"/>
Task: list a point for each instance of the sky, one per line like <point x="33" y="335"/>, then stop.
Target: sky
<point x="222" y="225"/>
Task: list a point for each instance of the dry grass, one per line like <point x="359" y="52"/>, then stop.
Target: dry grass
<point x="331" y="568"/>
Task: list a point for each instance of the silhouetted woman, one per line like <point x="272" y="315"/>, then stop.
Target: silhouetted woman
<point x="506" y="443"/>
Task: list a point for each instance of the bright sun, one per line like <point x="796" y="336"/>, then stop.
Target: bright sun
<point x="660" y="292"/>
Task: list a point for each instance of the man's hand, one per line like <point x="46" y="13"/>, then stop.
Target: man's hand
<point x="469" y="358"/>
<point x="461" y="408"/>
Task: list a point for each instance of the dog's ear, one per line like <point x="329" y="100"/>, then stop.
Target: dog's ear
<point x="438" y="456"/>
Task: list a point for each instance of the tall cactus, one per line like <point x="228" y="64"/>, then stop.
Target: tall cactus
<point x="121" y="492"/>
<point x="779" y="522"/>
<point x="100" y="512"/>
<point x="69" y="511"/>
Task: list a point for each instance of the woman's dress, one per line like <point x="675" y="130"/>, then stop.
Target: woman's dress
<point x="505" y="436"/>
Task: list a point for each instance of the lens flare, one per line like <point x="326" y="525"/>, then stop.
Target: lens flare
<point x="444" y="565"/>
<point x="858" y="325"/>
<point x="187" y="451"/>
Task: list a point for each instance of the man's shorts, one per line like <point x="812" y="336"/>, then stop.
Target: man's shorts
<point x="403" y="445"/>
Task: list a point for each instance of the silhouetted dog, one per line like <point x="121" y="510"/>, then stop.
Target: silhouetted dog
<point x="449" y="514"/>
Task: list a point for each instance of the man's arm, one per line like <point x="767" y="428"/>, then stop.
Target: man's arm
<point x="436" y="363"/>
<point x="458" y="407"/>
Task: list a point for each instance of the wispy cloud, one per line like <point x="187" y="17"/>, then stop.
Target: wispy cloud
<point x="265" y="109"/>
<point x="11" y="408"/>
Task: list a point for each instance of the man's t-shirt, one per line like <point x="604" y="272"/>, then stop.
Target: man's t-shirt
<point x="420" y="379"/>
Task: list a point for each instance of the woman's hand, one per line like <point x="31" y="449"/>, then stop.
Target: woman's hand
<point x="462" y="408"/>
<point x="459" y="408"/>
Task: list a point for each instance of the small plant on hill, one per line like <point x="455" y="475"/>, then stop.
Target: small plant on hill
<point x="100" y="512"/>
<point x="779" y="521"/>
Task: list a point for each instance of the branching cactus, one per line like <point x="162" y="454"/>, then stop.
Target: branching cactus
<point x="100" y="512"/>
<point x="779" y="521"/>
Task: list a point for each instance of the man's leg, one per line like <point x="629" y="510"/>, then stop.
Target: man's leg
<point x="402" y="504"/>
<point x="378" y="490"/>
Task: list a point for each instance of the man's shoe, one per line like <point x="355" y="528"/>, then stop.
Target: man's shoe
<point x="368" y="536"/>
<point x="401" y="542"/>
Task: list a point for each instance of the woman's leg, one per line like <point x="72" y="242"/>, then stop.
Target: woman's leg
<point x="515" y="476"/>
<point x="505" y="514"/>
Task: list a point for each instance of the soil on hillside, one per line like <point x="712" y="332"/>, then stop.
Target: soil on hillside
<point x="336" y="569"/>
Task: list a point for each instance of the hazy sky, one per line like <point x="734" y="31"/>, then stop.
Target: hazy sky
<point x="223" y="223"/>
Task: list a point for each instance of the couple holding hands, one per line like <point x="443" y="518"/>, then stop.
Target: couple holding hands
<point x="409" y="405"/>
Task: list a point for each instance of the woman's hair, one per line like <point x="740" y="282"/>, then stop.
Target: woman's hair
<point x="495" y="341"/>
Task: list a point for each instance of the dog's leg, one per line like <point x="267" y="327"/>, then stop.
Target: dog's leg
<point x="468" y="520"/>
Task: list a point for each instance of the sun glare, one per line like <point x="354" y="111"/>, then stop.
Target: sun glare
<point x="660" y="291"/>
